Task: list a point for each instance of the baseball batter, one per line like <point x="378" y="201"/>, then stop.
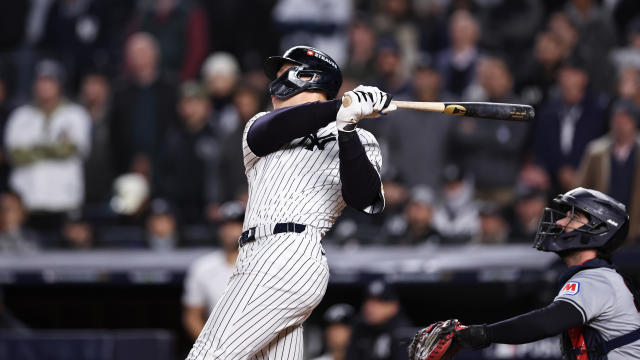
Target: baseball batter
<point x="596" y="309"/>
<point x="304" y="161"/>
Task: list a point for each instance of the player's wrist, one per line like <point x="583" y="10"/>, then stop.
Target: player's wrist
<point x="472" y="337"/>
<point x="344" y="136"/>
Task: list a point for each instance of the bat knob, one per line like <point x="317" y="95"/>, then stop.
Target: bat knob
<point x="346" y="101"/>
<point x="530" y="114"/>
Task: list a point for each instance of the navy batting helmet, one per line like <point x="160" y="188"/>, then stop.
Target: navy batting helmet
<point x="605" y="231"/>
<point x="313" y="70"/>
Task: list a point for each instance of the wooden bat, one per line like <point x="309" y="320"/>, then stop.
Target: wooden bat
<point x="484" y="110"/>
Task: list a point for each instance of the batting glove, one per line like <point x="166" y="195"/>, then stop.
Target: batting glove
<point x="365" y="101"/>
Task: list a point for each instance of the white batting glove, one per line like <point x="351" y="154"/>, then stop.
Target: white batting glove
<point x="365" y="101"/>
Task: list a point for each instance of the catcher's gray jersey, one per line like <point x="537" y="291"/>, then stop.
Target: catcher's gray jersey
<point x="606" y="304"/>
<point x="300" y="183"/>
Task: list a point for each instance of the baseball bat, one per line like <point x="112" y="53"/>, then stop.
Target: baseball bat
<point x="484" y="110"/>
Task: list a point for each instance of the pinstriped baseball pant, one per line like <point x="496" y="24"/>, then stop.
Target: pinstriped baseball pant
<point x="279" y="279"/>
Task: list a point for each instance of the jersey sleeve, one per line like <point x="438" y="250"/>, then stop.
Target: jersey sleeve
<point x="372" y="149"/>
<point x="249" y="157"/>
<point x="589" y="292"/>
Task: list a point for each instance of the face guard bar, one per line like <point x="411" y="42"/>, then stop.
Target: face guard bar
<point x="293" y="81"/>
<point x="552" y="236"/>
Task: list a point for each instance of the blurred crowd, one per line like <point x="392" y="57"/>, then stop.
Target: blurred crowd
<point x="121" y="121"/>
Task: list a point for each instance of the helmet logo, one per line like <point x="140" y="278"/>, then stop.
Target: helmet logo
<point x="309" y="52"/>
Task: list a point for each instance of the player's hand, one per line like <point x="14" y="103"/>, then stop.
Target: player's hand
<point x="471" y="337"/>
<point x="365" y="101"/>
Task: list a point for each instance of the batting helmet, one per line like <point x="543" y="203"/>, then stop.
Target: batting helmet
<point x="605" y="231"/>
<point x="313" y="70"/>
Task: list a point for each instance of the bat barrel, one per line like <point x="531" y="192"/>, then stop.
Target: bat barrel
<point x="498" y="111"/>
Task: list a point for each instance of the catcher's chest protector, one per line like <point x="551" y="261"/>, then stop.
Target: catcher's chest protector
<point x="583" y="343"/>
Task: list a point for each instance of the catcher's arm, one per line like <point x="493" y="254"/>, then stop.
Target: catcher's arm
<point x="551" y="320"/>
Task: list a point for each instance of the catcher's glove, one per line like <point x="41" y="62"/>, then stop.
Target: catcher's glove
<point x="435" y="342"/>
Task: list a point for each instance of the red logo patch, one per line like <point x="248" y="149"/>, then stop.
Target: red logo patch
<point x="570" y="288"/>
<point x="309" y="52"/>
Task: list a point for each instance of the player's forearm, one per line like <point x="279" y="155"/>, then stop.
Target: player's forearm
<point x="360" y="180"/>
<point x="551" y="320"/>
<point x="280" y="126"/>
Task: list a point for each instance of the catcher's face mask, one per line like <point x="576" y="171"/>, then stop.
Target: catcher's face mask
<point x="295" y="80"/>
<point x="564" y="228"/>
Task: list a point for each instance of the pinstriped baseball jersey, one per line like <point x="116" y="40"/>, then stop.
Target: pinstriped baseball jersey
<point x="606" y="304"/>
<point x="281" y="277"/>
<point x="300" y="183"/>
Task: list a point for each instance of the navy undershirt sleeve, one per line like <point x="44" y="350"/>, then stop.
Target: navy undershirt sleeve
<point x="551" y="320"/>
<point x="271" y="131"/>
<point x="360" y="180"/>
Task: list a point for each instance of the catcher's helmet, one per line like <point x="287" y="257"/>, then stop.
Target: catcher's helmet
<point x="313" y="70"/>
<point x="605" y="231"/>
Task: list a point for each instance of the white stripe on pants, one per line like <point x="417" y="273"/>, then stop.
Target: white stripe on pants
<point x="278" y="281"/>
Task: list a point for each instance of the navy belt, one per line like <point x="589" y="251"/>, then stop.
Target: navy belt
<point x="250" y="235"/>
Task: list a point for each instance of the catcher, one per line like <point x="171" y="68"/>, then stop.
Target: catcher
<point x="596" y="309"/>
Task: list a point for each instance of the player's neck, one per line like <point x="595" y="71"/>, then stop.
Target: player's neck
<point x="579" y="257"/>
<point x="297" y="99"/>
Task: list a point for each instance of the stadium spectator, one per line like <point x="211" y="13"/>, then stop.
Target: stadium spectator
<point x="78" y="33"/>
<point x="611" y="163"/>
<point x="201" y="289"/>
<point x="395" y="19"/>
<point x="411" y="132"/>
<point x="246" y="101"/>
<point x="565" y="124"/>
<point x="191" y="157"/>
<point x="161" y="226"/>
<point x="95" y="96"/>
<point x="538" y="72"/>
<point x="520" y="19"/>
<point x="629" y="55"/>
<point x="491" y="151"/>
<point x="77" y="233"/>
<point x="374" y="334"/>
<point x="221" y="74"/>
<point x="14" y="235"/>
<point x="362" y="50"/>
<point x="629" y="84"/>
<point x="457" y="63"/>
<point x="529" y="205"/>
<point x="419" y="214"/>
<point x="47" y="141"/>
<point x="321" y="24"/>
<point x="597" y="37"/>
<point x="494" y="229"/>
<point x="457" y="216"/>
<point x="390" y="74"/>
<point x="143" y="107"/>
<point x="182" y="31"/>
<point x="338" y="321"/>
<point x="415" y="225"/>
